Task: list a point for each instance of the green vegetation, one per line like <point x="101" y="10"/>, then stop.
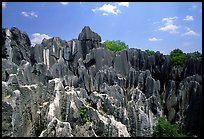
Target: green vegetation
<point x="195" y="54"/>
<point x="149" y="52"/>
<point x="165" y="129"/>
<point x="83" y="112"/>
<point x="178" y="57"/>
<point x="115" y="46"/>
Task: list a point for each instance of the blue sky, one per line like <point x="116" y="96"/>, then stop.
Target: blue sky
<point x="158" y="26"/>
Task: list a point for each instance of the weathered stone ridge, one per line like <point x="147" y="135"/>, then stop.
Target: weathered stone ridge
<point x="46" y="87"/>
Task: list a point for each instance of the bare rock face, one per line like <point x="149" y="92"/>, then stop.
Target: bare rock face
<point x="88" y="34"/>
<point x="57" y="128"/>
<point x="171" y="100"/>
<point x="121" y="64"/>
<point x="77" y="88"/>
<point x="193" y="66"/>
<point x="89" y="40"/>
<point x="8" y="68"/>
<point x="190" y="110"/>
<point x="7" y="120"/>
<point x="16" y="45"/>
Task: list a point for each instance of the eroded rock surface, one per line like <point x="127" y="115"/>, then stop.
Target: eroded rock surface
<point x="77" y="88"/>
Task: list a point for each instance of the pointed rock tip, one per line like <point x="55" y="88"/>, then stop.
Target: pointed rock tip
<point x="88" y="34"/>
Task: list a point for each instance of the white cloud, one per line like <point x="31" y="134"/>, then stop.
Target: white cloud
<point x="190" y="32"/>
<point x="37" y="38"/>
<point x="107" y="9"/>
<point x="169" y="20"/>
<point x="154" y="39"/>
<point x="64" y="3"/>
<point x="94" y="10"/>
<point x="105" y="14"/>
<point x="24" y="13"/>
<point x="169" y="25"/>
<point x="188" y="18"/>
<point x="171" y="28"/>
<point x="123" y="4"/>
<point x="3" y="4"/>
<point x="194" y="6"/>
<point x="33" y="14"/>
<point x="103" y="41"/>
<point x="29" y="14"/>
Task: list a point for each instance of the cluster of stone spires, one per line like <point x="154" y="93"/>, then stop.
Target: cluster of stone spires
<point x="48" y="84"/>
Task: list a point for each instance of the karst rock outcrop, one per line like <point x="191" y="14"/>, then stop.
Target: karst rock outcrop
<point x="75" y="88"/>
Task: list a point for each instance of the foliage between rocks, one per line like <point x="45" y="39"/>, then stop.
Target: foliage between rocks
<point x="149" y="52"/>
<point x="178" y="57"/>
<point x="83" y="112"/>
<point x="195" y="54"/>
<point x="165" y="129"/>
<point x="115" y="46"/>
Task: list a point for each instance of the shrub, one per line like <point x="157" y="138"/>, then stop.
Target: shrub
<point x="149" y="52"/>
<point x="83" y="112"/>
<point x="165" y="129"/>
<point x="115" y="46"/>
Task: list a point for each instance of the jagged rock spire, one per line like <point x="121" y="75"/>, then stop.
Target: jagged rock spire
<point x="88" y="34"/>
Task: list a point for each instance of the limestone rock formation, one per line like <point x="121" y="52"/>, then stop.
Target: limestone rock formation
<point x="16" y="45"/>
<point x="89" y="40"/>
<point x="75" y="88"/>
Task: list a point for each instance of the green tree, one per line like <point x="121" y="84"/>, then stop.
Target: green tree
<point x="115" y="46"/>
<point x="149" y="52"/>
<point x="195" y="54"/>
<point x="165" y="129"/>
<point x="178" y="57"/>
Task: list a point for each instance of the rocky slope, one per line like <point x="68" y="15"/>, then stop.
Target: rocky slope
<point x="74" y="88"/>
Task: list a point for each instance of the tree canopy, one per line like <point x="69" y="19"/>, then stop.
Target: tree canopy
<point x="115" y="46"/>
<point x="178" y="57"/>
<point x="195" y="54"/>
<point x="150" y="52"/>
